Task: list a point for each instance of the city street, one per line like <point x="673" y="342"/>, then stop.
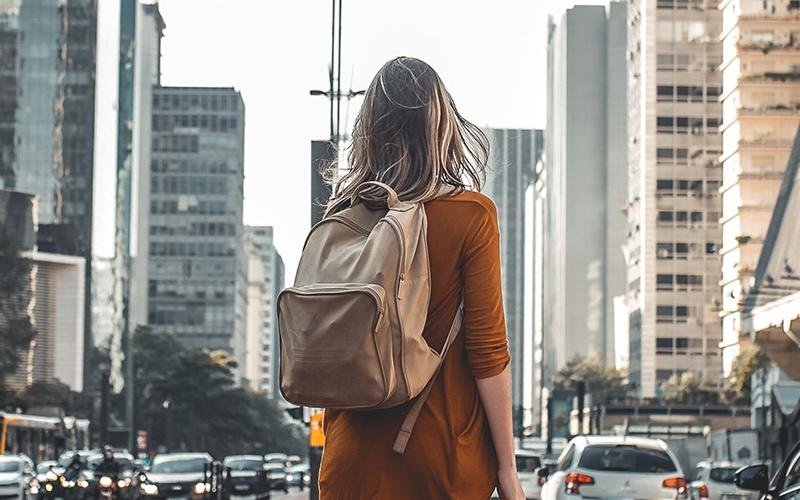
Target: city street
<point x="294" y="494"/>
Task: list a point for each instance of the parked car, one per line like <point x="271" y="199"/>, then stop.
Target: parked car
<point x="785" y="484"/>
<point x="298" y="475"/>
<point x="16" y="471"/>
<point x="179" y="475"/>
<point x="245" y="476"/>
<point x="614" y="467"/>
<point x="714" y="481"/>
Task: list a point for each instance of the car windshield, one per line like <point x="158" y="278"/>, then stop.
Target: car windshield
<point x="245" y="465"/>
<point x="177" y="466"/>
<point x="9" y="466"/>
<point x="722" y="474"/>
<point x="625" y="458"/>
<point x="43" y="467"/>
<point x="123" y="463"/>
<point x="528" y="464"/>
<point x="299" y="468"/>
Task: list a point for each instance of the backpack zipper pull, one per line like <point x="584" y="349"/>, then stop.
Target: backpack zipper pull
<point x="400" y="286"/>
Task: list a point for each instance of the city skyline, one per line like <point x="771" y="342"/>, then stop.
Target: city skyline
<point x="283" y="118"/>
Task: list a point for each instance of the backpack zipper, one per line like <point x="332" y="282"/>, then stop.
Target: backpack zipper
<point x="401" y="236"/>
<point x="334" y="289"/>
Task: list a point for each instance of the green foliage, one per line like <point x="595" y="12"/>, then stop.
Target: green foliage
<point x="16" y="327"/>
<point x="188" y="400"/>
<point x="689" y="389"/>
<point x="738" y="384"/>
<point x="58" y="395"/>
<point x="604" y="384"/>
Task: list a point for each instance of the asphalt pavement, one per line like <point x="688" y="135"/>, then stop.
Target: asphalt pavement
<point x="294" y="494"/>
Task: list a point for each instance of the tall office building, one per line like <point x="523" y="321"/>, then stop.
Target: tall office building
<point x="197" y="281"/>
<point x="514" y="153"/>
<point x="47" y="90"/>
<point x="271" y="264"/>
<point x="673" y="197"/>
<point x="761" y="112"/>
<point x="579" y="193"/>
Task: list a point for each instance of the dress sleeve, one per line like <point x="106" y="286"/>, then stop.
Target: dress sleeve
<point x="485" y="338"/>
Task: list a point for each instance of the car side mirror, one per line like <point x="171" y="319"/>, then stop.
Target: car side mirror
<point x="753" y="478"/>
<point x="542" y="473"/>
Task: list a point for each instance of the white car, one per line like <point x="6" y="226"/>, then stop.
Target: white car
<point x="528" y="464"/>
<point x="15" y="473"/>
<point x="714" y="481"/>
<point x="618" y="467"/>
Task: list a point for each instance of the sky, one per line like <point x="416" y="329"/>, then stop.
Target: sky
<point x="490" y="54"/>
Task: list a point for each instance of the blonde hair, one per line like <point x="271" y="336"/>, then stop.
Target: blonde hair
<point x="409" y="135"/>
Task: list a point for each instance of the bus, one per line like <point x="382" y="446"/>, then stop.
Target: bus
<point x="41" y="437"/>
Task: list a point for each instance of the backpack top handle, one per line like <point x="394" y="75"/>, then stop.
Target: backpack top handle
<point x="391" y="196"/>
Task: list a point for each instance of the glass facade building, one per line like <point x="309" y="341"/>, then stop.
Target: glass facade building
<point x="47" y="90"/>
<point x="196" y="266"/>
<point x="514" y="154"/>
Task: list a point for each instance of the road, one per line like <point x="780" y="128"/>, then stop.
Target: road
<point x="294" y="494"/>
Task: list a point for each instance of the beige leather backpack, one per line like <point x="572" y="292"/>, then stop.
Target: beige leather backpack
<point x="351" y="326"/>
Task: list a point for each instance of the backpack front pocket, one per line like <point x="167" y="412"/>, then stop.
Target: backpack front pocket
<point x="336" y="351"/>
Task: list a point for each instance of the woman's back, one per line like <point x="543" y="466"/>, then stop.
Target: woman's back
<point x="450" y="454"/>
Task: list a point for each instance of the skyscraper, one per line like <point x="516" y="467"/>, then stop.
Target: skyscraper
<point x="261" y="239"/>
<point x="580" y="189"/>
<point x="196" y="272"/>
<point x="673" y="197"/>
<point x="514" y="153"/>
<point x="761" y="111"/>
<point x="47" y="89"/>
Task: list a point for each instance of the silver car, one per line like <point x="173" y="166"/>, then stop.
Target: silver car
<point x="616" y="467"/>
<point x="714" y="481"/>
<point x="16" y="471"/>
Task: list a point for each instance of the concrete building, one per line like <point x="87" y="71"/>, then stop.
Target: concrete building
<point x="256" y="297"/>
<point x="761" y="111"/>
<point x="674" y="205"/>
<point x="47" y="95"/>
<point x="271" y="277"/>
<point x="54" y="309"/>
<point x="197" y="275"/>
<point x="514" y="154"/>
<point x="578" y="225"/>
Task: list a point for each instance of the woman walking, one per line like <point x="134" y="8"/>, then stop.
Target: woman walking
<point x="410" y="136"/>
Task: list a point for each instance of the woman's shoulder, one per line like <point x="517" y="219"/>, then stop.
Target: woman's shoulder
<point x="474" y="202"/>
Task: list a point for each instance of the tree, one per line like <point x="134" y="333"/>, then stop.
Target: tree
<point x="57" y="395"/>
<point x="188" y="400"/>
<point x="690" y="390"/>
<point x="16" y="326"/>
<point x="605" y="384"/>
<point x="738" y="384"/>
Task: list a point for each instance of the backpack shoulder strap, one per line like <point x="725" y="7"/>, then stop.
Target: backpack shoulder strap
<point x="411" y="418"/>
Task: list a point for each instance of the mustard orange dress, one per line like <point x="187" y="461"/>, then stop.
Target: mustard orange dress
<point x="450" y="454"/>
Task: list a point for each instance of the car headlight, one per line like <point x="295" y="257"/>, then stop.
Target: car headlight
<point x="124" y="483"/>
<point x="149" y="489"/>
<point x="82" y="483"/>
<point x="105" y="482"/>
<point x="67" y="484"/>
<point x="307" y="478"/>
<point x="48" y="487"/>
<point x="52" y="476"/>
<point x="199" y="488"/>
<point x="289" y="477"/>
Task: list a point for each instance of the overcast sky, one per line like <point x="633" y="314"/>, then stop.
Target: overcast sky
<point x="490" y="54"/>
